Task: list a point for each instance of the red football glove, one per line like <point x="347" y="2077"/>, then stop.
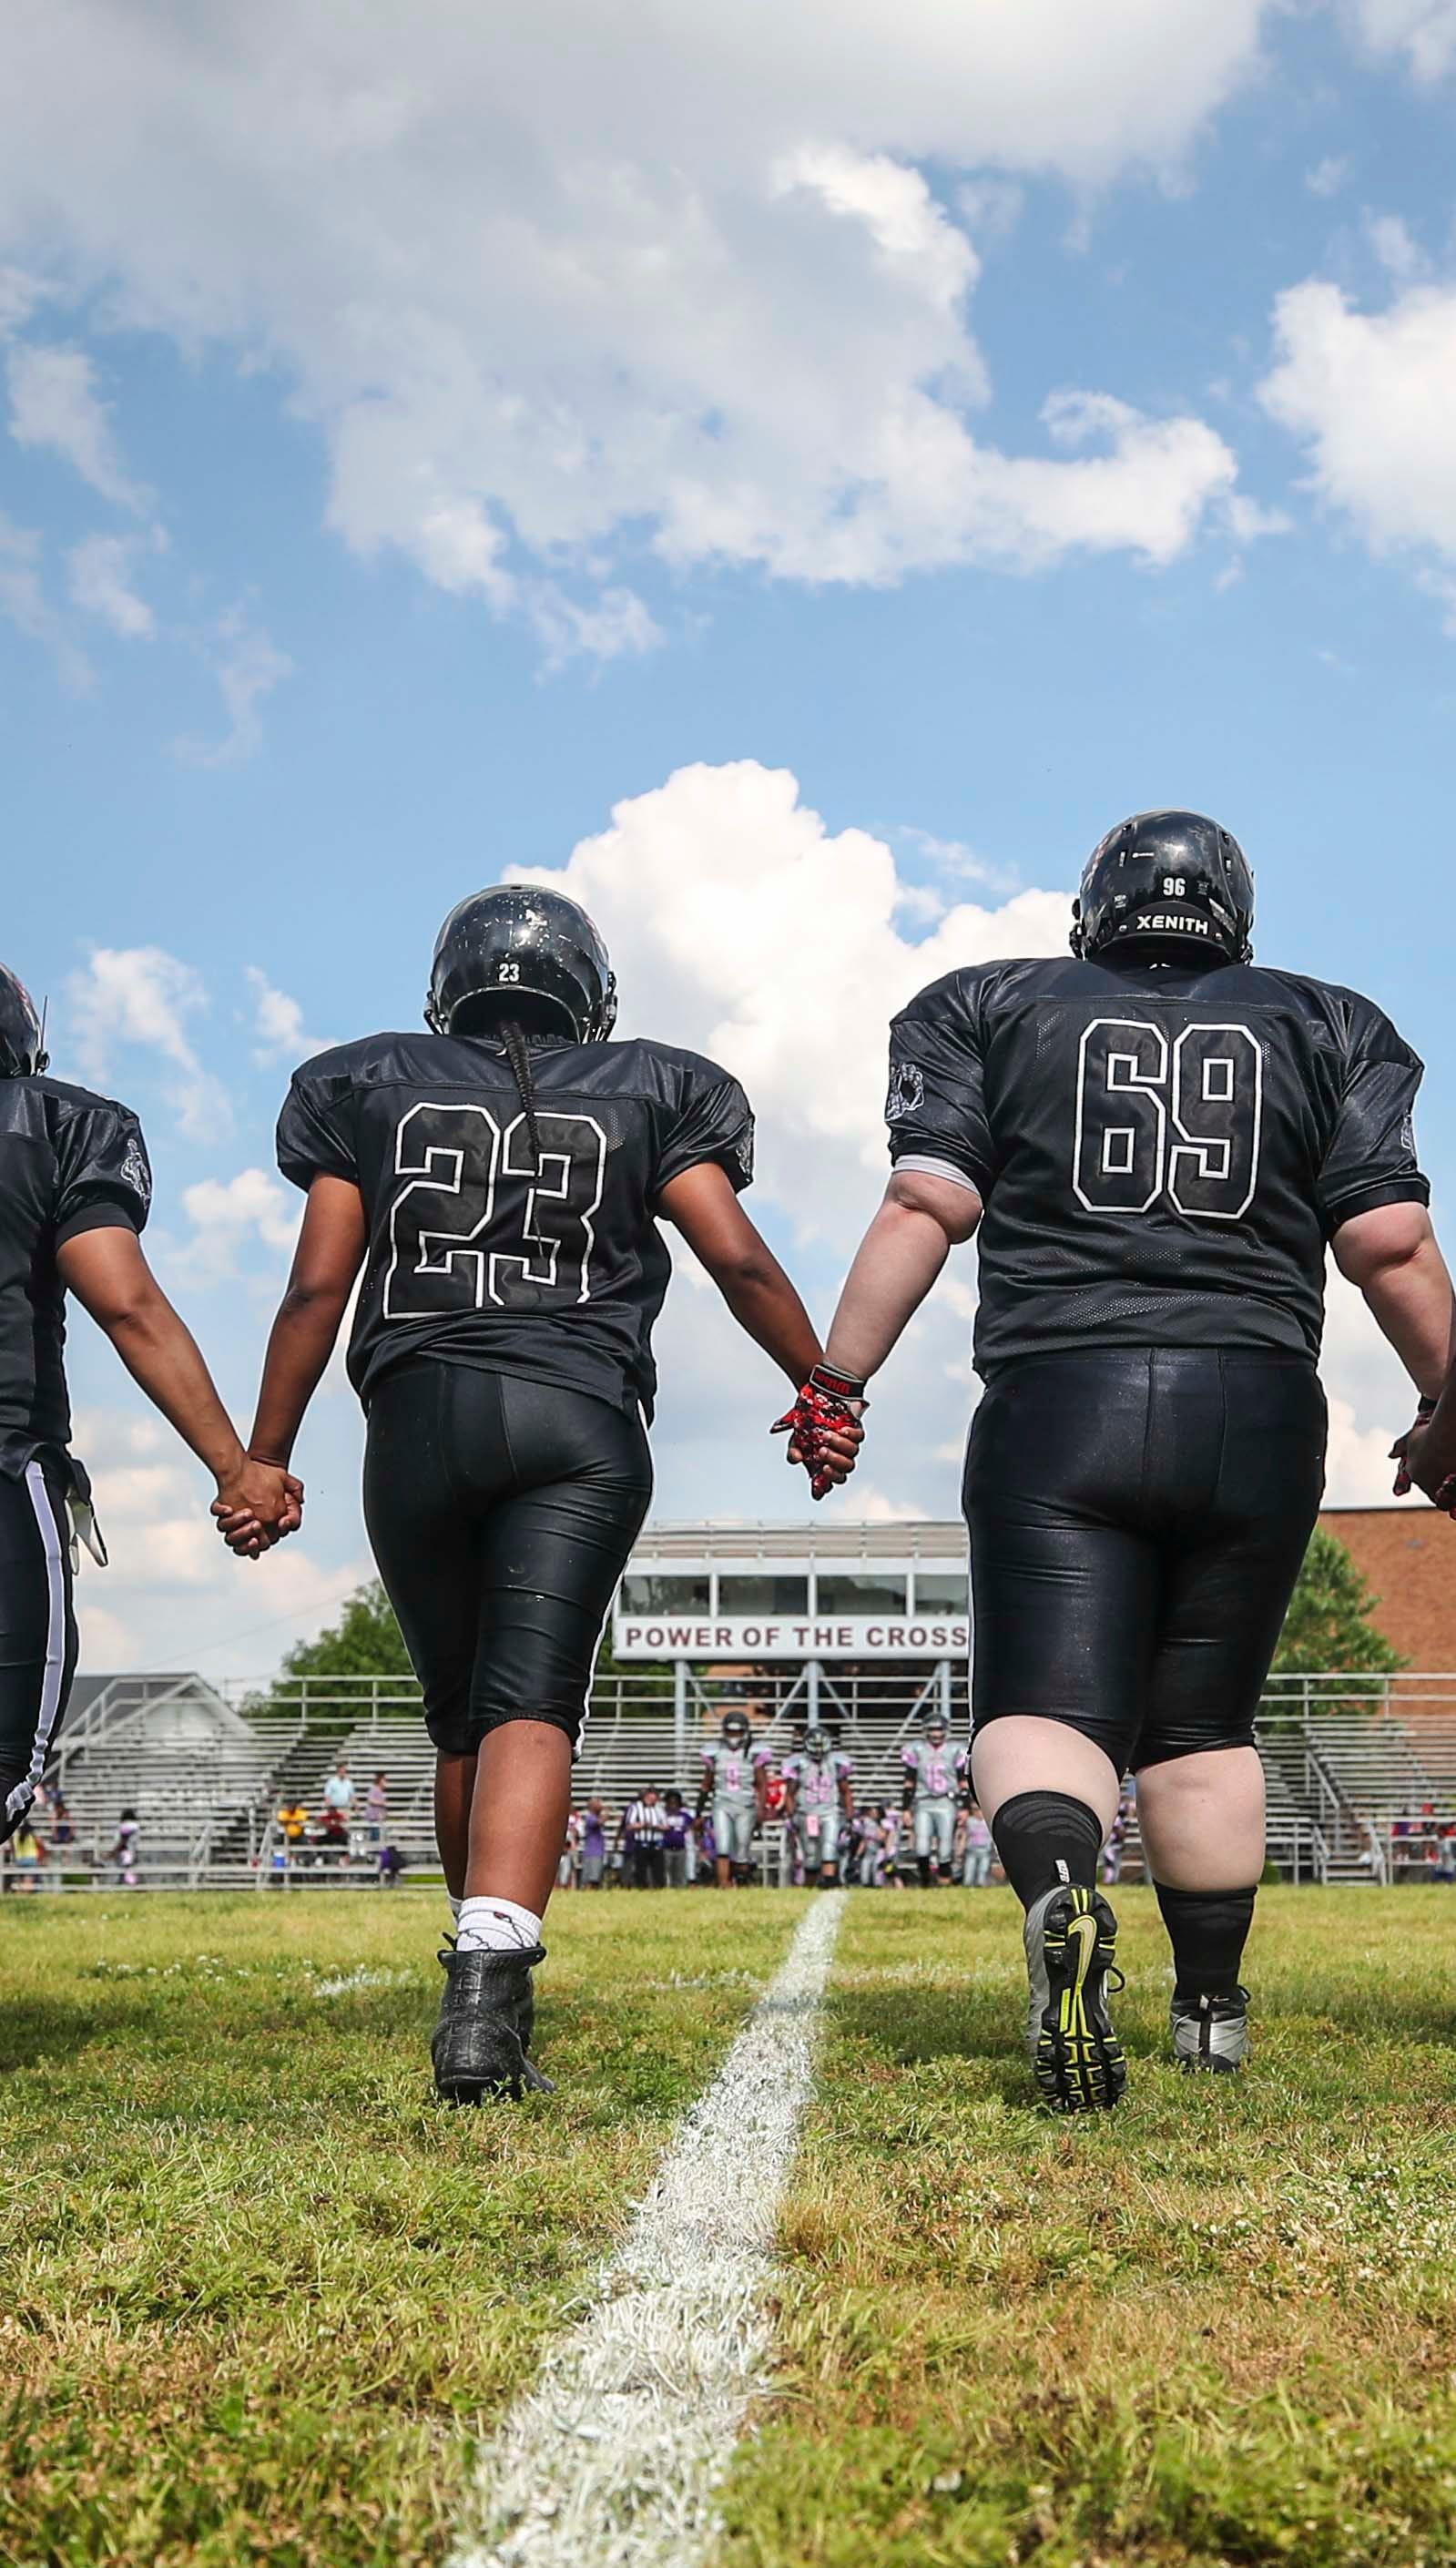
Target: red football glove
<point x="821" y="1406"/>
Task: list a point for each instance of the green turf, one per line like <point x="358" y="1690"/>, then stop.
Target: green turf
<point x="1216" y="2327"/>
<point x="257" y="2291"/>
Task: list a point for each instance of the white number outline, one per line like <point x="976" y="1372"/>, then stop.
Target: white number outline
<point x="426" y="1178"/>
<point x="1139" y="1084"/>
<point x="1190" y="1147"/>
<point x="1160" y="1087"/>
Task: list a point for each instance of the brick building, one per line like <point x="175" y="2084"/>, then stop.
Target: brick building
<point x="1408" y="1557"/>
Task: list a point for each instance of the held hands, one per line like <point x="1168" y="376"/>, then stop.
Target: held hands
<point x="256" y="1504"/>
<point x="823" y="1428"/>
<point x="1421" y="1466"/>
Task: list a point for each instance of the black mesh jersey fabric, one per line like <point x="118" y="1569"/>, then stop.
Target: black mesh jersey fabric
<point x="477" y="1255"/>
<point x="69" y="1163"/>
<point x="1162" y="1154"/>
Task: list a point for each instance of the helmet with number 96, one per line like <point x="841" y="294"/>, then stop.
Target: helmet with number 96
<point x="22" y="1037"/>
<point x="520" y="951"/>
<point x="1164" y="886"/>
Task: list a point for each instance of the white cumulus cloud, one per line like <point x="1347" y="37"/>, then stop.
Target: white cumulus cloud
<point x="1372" y="396"/>
<point x="552" y="289"/>
<point x="139" y="997"/>
<point x="247" y="667"/>
<point x="55" y="403"/>
<point x="228" y="1213"/>
<point x="728" y="906"/>
<point x="279" y="1026"/>
<point x="98" y="575"/>
<point x="1423" y="30"/>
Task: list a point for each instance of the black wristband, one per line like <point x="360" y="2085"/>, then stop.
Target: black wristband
<point x="835" y="1382"/>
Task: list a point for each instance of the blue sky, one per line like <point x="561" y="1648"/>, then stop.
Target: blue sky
<point x="415" y="454"/>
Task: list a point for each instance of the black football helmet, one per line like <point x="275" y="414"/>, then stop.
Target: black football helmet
<point x="1165" y="884"/>
<point x="738" y="1729"/>
<point x="22" y="1037"/>
<point x="518" y="942"/>
<point x="817" y="1746"/>
<point x="937" y="1727"/>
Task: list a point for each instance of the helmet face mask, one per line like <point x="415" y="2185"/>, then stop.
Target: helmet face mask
<point x="736" y="1728"/>
<point x="816" y="1745"/>
<point x="23" y="1052"/>
<point x="519" y="947"/>
<point x="1166" y="886"/>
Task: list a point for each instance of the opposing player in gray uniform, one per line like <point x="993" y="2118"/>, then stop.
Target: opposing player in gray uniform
<point x="734" y="1777"/>
<point x="820" y="1803"/>
<point x="935" y="1779"/>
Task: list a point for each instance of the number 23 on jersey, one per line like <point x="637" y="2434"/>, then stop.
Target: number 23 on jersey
<point x="476" y="1222"/>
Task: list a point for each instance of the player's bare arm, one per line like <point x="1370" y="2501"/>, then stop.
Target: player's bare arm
<point x="702" y="1205"/>
<point x="920" y="1219"/>
<point x="107" y="1272"/>
<point x="1392" y="1256"/>
<point x="329" y="1255"/>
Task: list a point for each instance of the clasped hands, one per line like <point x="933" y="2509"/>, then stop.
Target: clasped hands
<point x="257" y="1503"/>
<point x="823" y="1428"/>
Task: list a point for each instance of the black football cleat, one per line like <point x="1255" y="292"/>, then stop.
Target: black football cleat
<point x="1072" y="1943"/>
<point x="486" y="2017"/>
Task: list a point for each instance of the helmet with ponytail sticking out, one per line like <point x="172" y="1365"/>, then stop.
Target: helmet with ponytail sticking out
<point x="517" y="961"/>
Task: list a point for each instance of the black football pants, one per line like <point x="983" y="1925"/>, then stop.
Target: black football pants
<point x="502" y="1513"/>
<point x="1137" y="1523"/>
<point x="37" y="1630"/>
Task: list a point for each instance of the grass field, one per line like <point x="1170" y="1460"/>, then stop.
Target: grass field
<point x="261" y="2296"/>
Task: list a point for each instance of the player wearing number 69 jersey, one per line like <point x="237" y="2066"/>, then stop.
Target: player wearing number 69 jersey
<point x="1155" y="1139"/>
<point x="500" y="1179"/>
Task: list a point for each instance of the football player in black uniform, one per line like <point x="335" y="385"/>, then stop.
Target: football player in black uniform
<point x="501" y="1181"/>
<point x="75" y="1189"/>
<point x="1156" y="1141"/>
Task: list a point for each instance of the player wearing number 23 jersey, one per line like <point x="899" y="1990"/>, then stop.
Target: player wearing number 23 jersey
<point x="500" y="1179"/>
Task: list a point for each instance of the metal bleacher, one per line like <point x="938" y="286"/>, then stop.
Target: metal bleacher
<point x="1362" y="1770"/>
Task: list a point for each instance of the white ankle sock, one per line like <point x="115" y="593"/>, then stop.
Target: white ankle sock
<point x="489" y="1925"/>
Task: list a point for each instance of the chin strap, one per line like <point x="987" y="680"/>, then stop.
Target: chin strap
<point x="822" y="1403"/>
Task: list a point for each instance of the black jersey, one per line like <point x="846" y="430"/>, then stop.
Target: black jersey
<point x="1162" y="1154"/>
<point x="473" y="1255"/>
<point x="69" y="1163"/>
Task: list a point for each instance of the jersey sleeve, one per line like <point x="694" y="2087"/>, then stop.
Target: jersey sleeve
<point x="316" y="1128"/>
<point x="104" y="1177"/>
<point x="1370" y="1158"/>
<point x="935" y="1107"/>
<point x="714" y="1122"/>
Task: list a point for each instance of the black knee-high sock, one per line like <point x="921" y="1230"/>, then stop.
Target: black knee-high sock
<point x="1208" y="1930"/>
<point x="1045" y="1838"/>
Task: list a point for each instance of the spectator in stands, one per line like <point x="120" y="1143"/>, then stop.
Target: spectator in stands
<point x="333" y="1831"/>
<point x="677" y="1844"/>
<point x="125" y="1853"/>
<point x="977" y="1872"/>
<point x="339" y="1789"/>
<point x="593" y="1845"/>
<point x="292" y="1819"/>
<point x="643" y="1826"/>
<point x="566" y="1871"/>
<point x="27" y="1854"/>
<point x="376" y="1808"/>
<point x="391" y="1864"/>
<point x="63" y="1828"/>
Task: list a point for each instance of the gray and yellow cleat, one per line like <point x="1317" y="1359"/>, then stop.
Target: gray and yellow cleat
<point x="1072" y="1943"/>
<point x="1211" y="2032"/>
<point x="486" y="2017"/>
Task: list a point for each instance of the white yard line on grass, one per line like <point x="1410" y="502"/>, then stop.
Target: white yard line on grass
<point x="614" y="2459"/>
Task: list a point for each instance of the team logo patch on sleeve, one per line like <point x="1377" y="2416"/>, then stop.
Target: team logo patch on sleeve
<point x="136" y="1170"/>
<point x="907" y="1090"/>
